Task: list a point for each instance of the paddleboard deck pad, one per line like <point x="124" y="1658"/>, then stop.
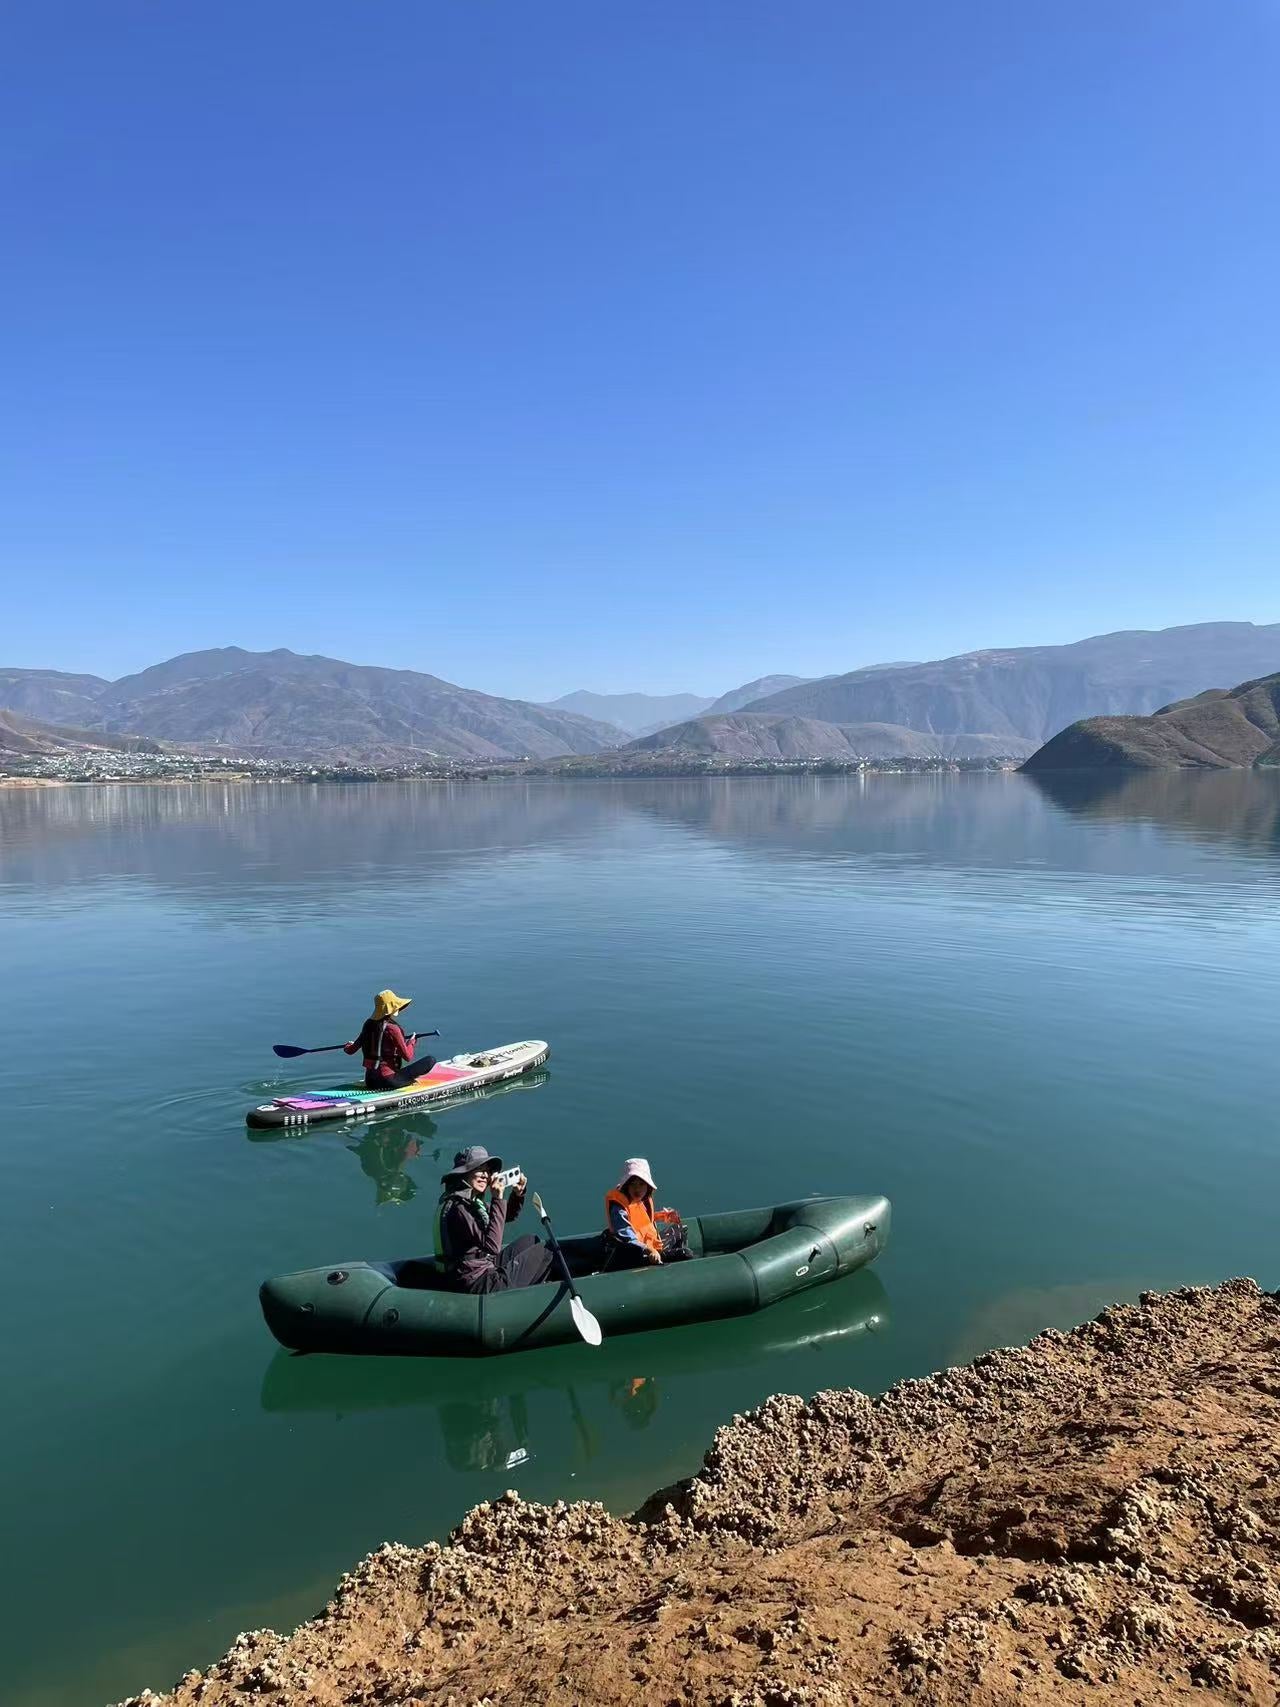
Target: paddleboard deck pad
<point x="447" y="1079"/>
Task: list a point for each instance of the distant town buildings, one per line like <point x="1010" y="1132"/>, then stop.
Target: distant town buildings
<point x="102" y="765"/>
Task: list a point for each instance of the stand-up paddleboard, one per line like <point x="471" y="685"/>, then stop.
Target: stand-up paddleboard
<point x="445" y="1080"/>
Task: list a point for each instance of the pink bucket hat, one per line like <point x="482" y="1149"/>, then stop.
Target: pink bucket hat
<point x="635" y="1167"/>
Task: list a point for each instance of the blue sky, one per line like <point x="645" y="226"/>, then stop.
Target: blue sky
<point x="651" y="344"/>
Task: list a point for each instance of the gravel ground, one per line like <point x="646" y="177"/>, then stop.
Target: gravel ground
<point x="1094" y="1517"/>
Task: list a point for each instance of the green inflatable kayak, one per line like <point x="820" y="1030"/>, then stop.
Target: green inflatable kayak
<point x="745" y="1260"/>
<point x="827" y="1319"/>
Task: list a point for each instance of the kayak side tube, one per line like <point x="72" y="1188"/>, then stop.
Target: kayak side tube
<point x="747" y="1260"/>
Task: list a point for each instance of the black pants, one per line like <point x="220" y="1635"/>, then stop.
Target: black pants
<point x="675" y="1248"/>
<point x="525" y="1262"/>
<point x="405" y="1076"/>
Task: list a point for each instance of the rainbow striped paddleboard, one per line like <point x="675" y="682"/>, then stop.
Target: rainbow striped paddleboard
<point x="445" y="1080"/>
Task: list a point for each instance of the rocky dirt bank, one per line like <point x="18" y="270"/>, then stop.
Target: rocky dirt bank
<point x="1094" y="1517"/>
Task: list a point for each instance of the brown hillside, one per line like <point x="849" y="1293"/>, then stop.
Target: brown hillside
<point x="1217" y="730"/>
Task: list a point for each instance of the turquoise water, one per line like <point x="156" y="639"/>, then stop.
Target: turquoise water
<point x="1043" y="1020"/>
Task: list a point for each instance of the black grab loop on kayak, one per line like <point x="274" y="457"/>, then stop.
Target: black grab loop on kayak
<point x="337" y="1277"/>
<point x="391" y="1318"/>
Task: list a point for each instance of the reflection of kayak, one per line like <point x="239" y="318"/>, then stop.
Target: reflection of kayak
<point x="528" y="1080"/>
<point x="808" y="1321"/>
<point x="447" y="1079"/>
<point x="746" y="1259"/>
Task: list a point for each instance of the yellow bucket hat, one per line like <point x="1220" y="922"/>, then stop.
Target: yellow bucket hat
<point x="386" y="1004"/>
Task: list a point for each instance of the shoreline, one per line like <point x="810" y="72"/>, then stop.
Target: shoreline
<point x="139" y="781"/>
<point x="1092" y="1517"/>
<point x="719" y="773"/>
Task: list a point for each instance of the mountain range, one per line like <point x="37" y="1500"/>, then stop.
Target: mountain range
<point x="645" y="713"/>
<point x="282" y="705"/>
<point x="990" y="704"/>
<point x="1220" y="729"/>
<point x="995" y="703"/>
<point x="1032" y="692"/>
<point x="756" y="735"/>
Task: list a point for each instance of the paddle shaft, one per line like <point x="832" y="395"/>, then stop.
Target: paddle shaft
<point x="289" y="1050"/>
<point x="564" y="1266"/>
<point x="559" y="1256"/>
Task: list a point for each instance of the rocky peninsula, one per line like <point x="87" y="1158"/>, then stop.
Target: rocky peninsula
<point x="1093" y="1517"/>
<point x="1220" y="729"/>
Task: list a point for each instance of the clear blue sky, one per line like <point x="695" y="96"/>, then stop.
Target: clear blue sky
<point x="634" y="343"/>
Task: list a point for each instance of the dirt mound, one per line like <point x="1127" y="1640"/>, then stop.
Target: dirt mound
<point x="1093" y="1517"/>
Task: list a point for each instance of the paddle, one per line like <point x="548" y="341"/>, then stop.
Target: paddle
<point x="583" y="1320"/>
<point x="289" y="1050"/>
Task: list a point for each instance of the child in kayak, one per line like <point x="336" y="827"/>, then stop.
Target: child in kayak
<point x="470" y="1221"/>
<point x="388" y="1053"/>
<point x="636" y="1234"/>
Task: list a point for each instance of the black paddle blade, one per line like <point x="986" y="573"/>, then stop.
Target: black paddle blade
<point x="287" y="1050"/>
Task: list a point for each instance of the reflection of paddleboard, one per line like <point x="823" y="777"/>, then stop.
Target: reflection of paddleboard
<point x="446" y="1080"/>
<point x="811" y="1321"/>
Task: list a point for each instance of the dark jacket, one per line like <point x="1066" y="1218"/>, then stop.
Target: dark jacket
<point x="469" y="1237"/>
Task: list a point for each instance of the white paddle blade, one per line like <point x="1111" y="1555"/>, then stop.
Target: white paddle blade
<point x="585" y="1322"/>
<point x="537" y="1207"/>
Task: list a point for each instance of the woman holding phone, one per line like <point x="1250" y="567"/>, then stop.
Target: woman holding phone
<point x="470" y="1220"/>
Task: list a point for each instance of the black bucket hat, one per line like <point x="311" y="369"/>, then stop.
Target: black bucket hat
<point x="470" y="1161"/>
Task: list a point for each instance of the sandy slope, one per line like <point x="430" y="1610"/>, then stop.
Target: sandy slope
<point x="1092" y="1518"/>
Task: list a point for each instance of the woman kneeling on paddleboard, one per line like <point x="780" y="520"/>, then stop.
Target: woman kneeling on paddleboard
<point x="635" y="1233"/>
<point x="470" y="1222"/>
<point x="387" y="1052"/>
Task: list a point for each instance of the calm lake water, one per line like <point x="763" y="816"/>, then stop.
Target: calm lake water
<point x="1042" y="1018"/>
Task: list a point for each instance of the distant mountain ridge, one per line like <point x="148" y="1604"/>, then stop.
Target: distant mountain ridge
<point x="759" y="736"/>
<point x="51" y="696"/>
<point x="646" y="713"/>
<point x="1032" y="692"/>
<point x="284" y="705"/>
<point x="762" y="688"/>
<point x="636" y="713"/>
<point x="19" y="734"/>
<point x="1220" y="729"/>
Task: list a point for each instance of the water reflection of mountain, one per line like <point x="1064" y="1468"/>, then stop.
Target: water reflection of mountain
<point x="958" y="819"/>
<point x="482" y="1404"/>
<point x="228" y="846"/>
<point x="1240" y="806"/>
<point x="261" y="836"/>
<point x="972" y="822"/>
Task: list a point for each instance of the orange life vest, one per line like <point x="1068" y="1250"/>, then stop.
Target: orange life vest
<point x="638" y="1213"/>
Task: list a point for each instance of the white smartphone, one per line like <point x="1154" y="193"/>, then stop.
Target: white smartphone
<point x="507" y="1177"/>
